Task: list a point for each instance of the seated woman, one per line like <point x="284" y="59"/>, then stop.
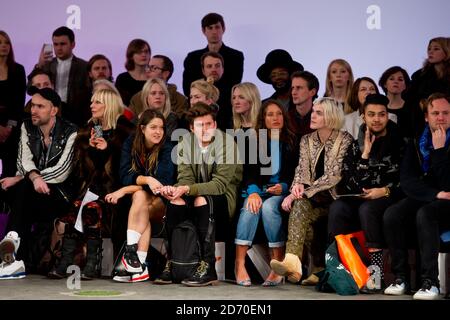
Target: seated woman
<point x="339" y="83"/>
<point x="265" y="192"/>
<point x="145" y="167"/>
<point x="201" y="91"/>
<point x="246" y="103"/>
<point x="317" y="174"/>
<point x="155" y="96"/>
<point x="395" y="82"/>
<point x="361" y="89"/>
<point x="97" y="150"/>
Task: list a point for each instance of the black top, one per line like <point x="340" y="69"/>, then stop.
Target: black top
<point x="233" y="67"/>
<point x="128" y="86"/>
<point x="12" y="95"/>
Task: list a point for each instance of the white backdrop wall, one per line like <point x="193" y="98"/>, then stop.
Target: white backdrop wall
<point x="370" y="34"/>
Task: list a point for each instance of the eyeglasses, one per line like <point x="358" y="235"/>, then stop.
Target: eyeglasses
<point x="155" y="68"/>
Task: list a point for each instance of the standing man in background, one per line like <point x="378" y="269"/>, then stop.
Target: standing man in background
<point x="213" y="27"/>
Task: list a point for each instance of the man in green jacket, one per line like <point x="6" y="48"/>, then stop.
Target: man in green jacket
<point x="208" y="178"/>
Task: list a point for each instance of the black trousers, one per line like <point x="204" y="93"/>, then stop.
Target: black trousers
<point x="200" y="217"/>
<point x="29" y="207"/>
<point x="430" y="218"/>
<point x="351" y="215"/>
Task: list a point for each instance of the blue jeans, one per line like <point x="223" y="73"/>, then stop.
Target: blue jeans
<point x="271" y="216"/>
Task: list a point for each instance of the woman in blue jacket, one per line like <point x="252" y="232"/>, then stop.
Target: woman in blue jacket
<point x="145" y="167"/>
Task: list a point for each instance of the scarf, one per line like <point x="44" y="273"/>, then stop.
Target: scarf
<point x="426" y="145"/>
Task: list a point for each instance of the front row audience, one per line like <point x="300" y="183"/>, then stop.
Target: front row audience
<point x="358" y="183"/>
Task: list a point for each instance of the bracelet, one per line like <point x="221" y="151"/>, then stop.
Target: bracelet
<point x="34" y="178"/>
<point x="387" y="192"/>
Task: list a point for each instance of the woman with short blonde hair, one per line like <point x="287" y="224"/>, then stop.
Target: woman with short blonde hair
<point x="334" y="116"/>
<point x="313" y="189"/>
<point x="210" y="92"/>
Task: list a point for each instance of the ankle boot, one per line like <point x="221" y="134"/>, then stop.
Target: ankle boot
<point x="93" y="260"/>
<point x="204" y="275"/>
<point x="69" y="246"/>
<point x="291" y="267"/>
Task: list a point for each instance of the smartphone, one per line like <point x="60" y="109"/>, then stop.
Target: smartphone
<point x="48" y="50"/>
<point x="98" y="131"/>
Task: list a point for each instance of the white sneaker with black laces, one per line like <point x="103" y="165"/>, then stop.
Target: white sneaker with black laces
<point x="134" y="277"/>
<point x="397" y="288"/>
<point x="427" y="292"/>
<point x="9" y="246"/>
<point x="15" y="270"/>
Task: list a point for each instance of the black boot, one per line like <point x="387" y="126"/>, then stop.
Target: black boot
<point x="166" y="276"/>
<point x="205" y="275"/>
<point x="93" y="260"/>
<point x="69" y="246"/>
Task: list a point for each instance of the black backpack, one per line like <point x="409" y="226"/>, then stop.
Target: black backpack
<point x="186" y="253"/>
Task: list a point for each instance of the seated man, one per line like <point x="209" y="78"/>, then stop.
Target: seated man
<point x="425" y="179"/>
<point x="44" y="164"/>
<point x="206" y="191"/>
<point x="371" y="171"/>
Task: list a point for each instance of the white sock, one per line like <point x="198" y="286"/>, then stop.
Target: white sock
<point x="142" y="256"/>
<point x="132" y="237"/>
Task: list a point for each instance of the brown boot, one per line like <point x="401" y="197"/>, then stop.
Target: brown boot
<point x="291" y="267"/>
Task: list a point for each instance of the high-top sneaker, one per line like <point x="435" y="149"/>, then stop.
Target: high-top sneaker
<point x="9" y="246"/>
<point x="14" y="270"/>
<point x="205" y="275"/>
<point x="134" y="277"/>
<point x="130" y="259"/>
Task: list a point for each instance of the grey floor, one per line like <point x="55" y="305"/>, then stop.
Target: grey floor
<point x="35" y="287"/>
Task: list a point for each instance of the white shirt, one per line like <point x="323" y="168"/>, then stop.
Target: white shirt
<point x="62" y="77"/>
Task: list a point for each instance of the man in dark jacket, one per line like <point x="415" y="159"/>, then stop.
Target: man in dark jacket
<point x="40" y="191"/>
<point x="70" y="76"/>
<point x="213" y="27"/>
<point x="425" y="179"/>
<point x="371" y="172"/>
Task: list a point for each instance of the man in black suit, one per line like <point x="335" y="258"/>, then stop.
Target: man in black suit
<point x="69" y="74"/>
<point x="213" y="28"/>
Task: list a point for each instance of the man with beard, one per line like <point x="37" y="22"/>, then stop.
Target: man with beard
<point x="425" y="179"/>
<point x="277" y="70"/>
<point x="44" y="163"/>
<point x="213" y="71"/>
<point x="371" y="173"/>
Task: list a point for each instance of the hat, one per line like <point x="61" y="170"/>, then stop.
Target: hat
<point x="47" y="93"/>
<point x="277" y="58"/>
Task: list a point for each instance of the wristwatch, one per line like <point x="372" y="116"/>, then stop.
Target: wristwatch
<point x="387" y="192"/>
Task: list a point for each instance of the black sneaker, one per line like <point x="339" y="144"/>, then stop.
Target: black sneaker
<point x="166" y="276"/>
<point x="205" y="275"/>
<point x="130" y="259"/>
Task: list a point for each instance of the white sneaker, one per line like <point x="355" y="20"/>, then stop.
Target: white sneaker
<point x="9" y="246"/>
<point x="134" y="277"/>
<point x="427" y="292"/>
<point x="397" y="288"/>
<point x="15" y="270"/>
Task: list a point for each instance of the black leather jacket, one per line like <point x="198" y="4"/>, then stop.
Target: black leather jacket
<point x="60" y="133"/>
